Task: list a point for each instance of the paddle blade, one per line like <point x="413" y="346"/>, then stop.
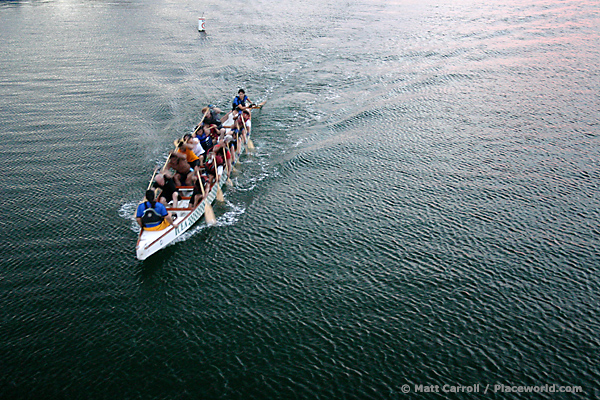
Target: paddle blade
<point x="250" y="144"/>
<point x="220" y="196"/>
<point x="260" y="105"/>
<point x="228" y="182"/>
<point x="209" y="214"/>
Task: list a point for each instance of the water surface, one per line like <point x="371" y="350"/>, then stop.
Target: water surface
<point x="422" y="206"/>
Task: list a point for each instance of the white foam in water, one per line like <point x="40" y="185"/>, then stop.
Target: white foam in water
<point x="127" y="211"/>
<point x="228" y="218"/>
<point x="232" y="216"/>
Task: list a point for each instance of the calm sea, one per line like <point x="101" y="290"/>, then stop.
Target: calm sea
<point x="422" y="207"/>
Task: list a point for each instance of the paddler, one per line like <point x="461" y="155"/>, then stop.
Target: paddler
<point x="240" y="125"/>
<point x="215" y="156"/>
<point x="200" y="193"/>
<point x="213" y="118"/>
<point x="241" y="102"/>
<point x="186" y="148"/>
<point x="178" y="162"/>
<point x="153" y="216"/>
<point x="195" y="143"/>
<point x="169" y="191"/>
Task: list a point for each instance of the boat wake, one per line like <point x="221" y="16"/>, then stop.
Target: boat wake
<point x="127" y="211"/>
<point x="232" y="216"/>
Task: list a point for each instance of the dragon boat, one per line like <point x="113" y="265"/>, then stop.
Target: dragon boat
<point x="150" y="242"/>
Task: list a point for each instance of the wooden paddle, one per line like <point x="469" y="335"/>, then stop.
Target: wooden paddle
<point x="228" y="181"/>
<point x="153" y="175"/>
<point x="201" y="121"/>
<point x="209" y="214"/>
<point x="259" y="105"/>
<point x="220" y="196"/>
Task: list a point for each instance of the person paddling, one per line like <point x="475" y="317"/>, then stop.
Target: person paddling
<point x="169" y="191"/>
<point x="151" y="215"/>
<point x="183" y="147"/>
<point x="241" y="102"/>
<point x="213" y="118"/>
<point x="178" y="162"/>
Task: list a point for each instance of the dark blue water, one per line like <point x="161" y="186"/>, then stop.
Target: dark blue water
<point x="421" y="208"/>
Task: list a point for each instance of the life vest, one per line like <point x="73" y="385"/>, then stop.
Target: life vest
<point x="151" y="216"/>
<point x="206" y="141"/>
<point x="214" y="134"/>
<point x="237" y="102"/>
<point x="226" y="152"/>
<point x="209" y="165"/>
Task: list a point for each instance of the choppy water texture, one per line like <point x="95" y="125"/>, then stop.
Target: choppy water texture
<point x="422" y="206"/>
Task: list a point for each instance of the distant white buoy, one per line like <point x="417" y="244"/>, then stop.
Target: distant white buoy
<point x="201" y="21"/>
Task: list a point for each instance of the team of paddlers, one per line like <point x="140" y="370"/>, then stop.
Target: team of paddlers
<point x="198" y="162"/>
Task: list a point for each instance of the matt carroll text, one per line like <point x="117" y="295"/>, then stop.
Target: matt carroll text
<point x="447" y="389"/>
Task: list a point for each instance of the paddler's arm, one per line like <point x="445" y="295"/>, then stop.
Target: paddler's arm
<point x="225" y="117"/>
<point x="168" y="165"/>
<point x="242" y="105"/>
<point x="139" y="214"/>
<point x="170" y="219"/>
